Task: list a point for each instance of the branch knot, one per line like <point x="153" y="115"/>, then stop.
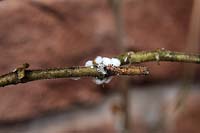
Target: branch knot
<point x="21" y="71"/>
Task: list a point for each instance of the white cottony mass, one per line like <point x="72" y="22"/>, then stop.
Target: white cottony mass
<point x="102" y="81"/>
<point x="89" y="64"/>
<point x="115" y="62"/>
<point x="106" y="61"/>
<point x="98" y="60"/>
<point x="100" y="64"/>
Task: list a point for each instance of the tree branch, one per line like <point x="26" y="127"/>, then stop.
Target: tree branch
<point x="158" y="55"/>
<point x="21" y="75"/>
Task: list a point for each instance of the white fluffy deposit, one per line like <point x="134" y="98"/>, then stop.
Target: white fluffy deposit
<point x="100" y="63"/>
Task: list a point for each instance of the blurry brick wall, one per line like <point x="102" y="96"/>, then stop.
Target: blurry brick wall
<point x="51" y="33"/>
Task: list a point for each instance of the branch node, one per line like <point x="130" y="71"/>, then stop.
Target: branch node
<point x="21" y="71"/>
<point x="157" y="56"/>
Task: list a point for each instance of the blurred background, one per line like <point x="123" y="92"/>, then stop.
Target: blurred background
<point x="60" y="33"/>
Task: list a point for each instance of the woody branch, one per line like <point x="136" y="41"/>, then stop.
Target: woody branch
<point x="23" y="75"/>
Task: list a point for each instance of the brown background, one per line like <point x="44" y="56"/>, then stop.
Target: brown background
<point x="53" y="33"/>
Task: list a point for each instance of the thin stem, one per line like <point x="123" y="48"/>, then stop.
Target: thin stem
<point x="21" y="76"/>
<point x="158" y="55"/>
<point x="31" y="75"/>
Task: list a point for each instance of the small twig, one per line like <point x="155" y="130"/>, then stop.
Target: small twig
<point x="158" y="55"/>
<point x="31" y="75"/>
<point x="22" y="76"/>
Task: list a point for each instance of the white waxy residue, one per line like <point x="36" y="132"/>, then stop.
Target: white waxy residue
<point x="98" y="60"/>
<point x="101" y="69"/>
<point x="89" y="63"/>
<point x="106" y="61"/>
<point x="102" y="81"/>
<point x="100" y="63"/>
<point x="99" y="81"/>
<point x="115" y="62"/>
